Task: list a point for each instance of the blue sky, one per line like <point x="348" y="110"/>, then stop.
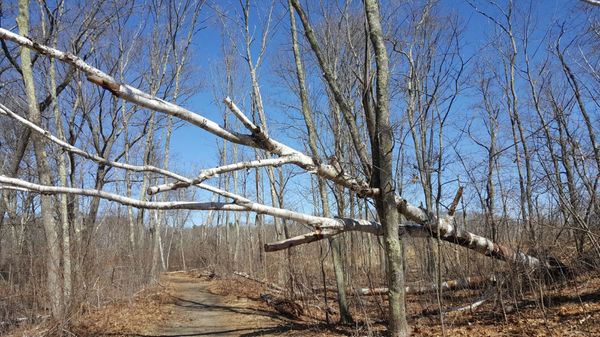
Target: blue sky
<point x="194" y="149"/>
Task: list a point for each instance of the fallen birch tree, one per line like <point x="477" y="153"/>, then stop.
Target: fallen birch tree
<point x="426" y="224"/>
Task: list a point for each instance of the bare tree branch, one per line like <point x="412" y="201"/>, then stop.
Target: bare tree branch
<point x="162" y="205"/>
<point x="213" y="172"/>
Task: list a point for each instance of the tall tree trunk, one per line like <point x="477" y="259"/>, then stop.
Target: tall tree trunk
<point x="63" y="206"/>
<point x="383" y="174"/>
<point x="345" y="316"/>
<point x="525" y="183"/>
<point x="54" y="287"/>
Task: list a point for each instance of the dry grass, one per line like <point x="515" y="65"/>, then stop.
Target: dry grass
<point x="124" y="318"/>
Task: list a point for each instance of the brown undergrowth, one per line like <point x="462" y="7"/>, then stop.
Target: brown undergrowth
<point x="137" y="316"/>
<point x="568" y="309"/>
<point x="571" y="308"/>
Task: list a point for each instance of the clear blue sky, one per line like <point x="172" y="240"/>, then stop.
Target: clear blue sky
<point x="194" y="149"/>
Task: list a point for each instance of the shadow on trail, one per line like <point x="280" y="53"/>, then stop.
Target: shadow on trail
<point x="254" y="332"/>
<point x="306" y="328"/>
<point x="215" y="307"/>
<point x="209" y="333"/>
<point x="557" y="300"/>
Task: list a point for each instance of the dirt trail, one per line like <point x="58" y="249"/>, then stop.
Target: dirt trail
<point x="198" y="312"/>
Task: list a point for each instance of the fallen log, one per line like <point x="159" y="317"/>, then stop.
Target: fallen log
<point x="475" y="282"/>
<point x="19" y="320"/>
<point x="469" y="307"/>
<point x="284" y="306"/>
<point x="268" y="284"/>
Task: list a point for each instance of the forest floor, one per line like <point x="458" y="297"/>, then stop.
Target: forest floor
<point x="203" y="304"/>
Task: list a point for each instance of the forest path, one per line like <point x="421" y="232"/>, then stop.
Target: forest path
<point x="198" y="312"/>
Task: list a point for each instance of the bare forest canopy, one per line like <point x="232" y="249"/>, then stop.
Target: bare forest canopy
<point x="409" y="140"/>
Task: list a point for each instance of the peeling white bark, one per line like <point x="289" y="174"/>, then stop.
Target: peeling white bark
<point x="163" y="205"/>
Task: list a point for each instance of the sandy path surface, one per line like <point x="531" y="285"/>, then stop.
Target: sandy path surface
<point x="197" y="312"/>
